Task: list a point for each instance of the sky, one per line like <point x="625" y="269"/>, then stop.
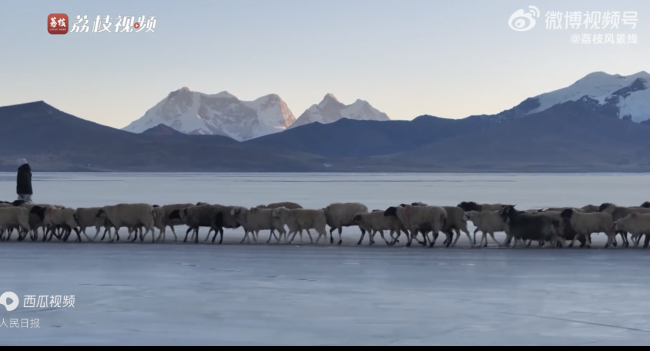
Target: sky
<point x="407" y="58"/>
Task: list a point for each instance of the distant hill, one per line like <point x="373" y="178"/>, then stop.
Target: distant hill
<point x="53" y="140"/>
<point x="162" y="129"/>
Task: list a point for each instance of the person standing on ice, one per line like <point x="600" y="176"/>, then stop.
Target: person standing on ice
<point x="24" y="181"/>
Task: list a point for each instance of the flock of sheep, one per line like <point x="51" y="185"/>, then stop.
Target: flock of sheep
<point x="555" y="226"/>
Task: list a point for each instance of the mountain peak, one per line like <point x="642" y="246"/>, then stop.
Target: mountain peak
<point x="219" y="114"/>
<point x="612" y="94"/>
<point x="331" y="110"/>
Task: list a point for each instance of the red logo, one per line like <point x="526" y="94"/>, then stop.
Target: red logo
<point x="57" y="23"/>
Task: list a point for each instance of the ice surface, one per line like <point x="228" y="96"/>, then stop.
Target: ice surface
<point x="186" y="294"/>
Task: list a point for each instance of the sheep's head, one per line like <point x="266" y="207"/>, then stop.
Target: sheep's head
<point x="358" y="218"/>
<point x="646" y="204"/>
<point x="99" y="213"/>
<point x="236" y="211"/>
<point x="280" y="212"/>
<point x="507" y="212"/>
<point x="175" y="214"/>
<point x="471" y="215"/>
<point x="469" y="206"/>
<point x="155" y="206"/>
<point x="18" y="203"/>
<point x="604" y="207"/>
<point x="39" y="211"/>
<point x="391" y="212"/>
<point x="567" y="213"/>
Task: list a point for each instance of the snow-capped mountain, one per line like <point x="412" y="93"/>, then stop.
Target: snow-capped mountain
<point x="331" y="110"/>
<point x="192" y="112"/>
<point x="614" y="95"/>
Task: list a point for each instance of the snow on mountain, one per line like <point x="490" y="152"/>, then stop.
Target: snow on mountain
<point x="192" y="112"/>
<point x="623" y="96"/>
<point x="331" y="110"/>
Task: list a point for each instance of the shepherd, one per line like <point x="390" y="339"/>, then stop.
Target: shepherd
<point x="24" y="181"/>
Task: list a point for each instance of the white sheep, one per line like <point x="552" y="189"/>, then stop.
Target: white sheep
<point x="637" y="224"/>
<point x="130" y="216"/>
<point x="416" y="218"/>
<point x="87" y="218"/>
<point x="301" y="219"/>
<point x="488" y="223"/>
<point x="286" y="204"/>
<point x="586" y="224"/>
<point x="456" y="221"/>
<point x="375" y="222"/>
<point x="14" y="217"/>
<point x="255" y="219"/>
<point x="339" y="215"/>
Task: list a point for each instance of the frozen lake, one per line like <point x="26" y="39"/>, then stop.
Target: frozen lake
<point x="187" y="294"/>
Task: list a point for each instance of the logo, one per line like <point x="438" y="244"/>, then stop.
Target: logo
<point x="57" y="23"/>
<point x="14" y="301"/>
<point x="519" y="19"/>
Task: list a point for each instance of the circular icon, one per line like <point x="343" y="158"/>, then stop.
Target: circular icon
<point x="575" y="39"/>
<point x="136" y="25"/>
<point x="9" y="296"/>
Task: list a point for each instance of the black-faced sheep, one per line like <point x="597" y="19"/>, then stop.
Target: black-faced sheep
<point x="255" y="219"/>
<point x="416" y="218"/>
<point x="339" y="215"/>
<point x="302" y="219"/>
<point x="375" y="222"/>
<point x="586" y="224"/>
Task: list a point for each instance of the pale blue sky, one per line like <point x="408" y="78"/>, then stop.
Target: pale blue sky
<point x="407" y="58"/>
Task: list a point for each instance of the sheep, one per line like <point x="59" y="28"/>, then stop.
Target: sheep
<point x="488" y="222"/>
<point x="589" y="209"/>
<point x="62" y="217"/>
<point x="130" y="216"/>
<point x="416" y="218"/>
<point x="229" y="222"/>
<point x="637" y="224"/>
<point x="374" y="222"/>
<point x="199" y="216"/>
<point x="587" y="223"/>
<point x="646" y="204"/>
<point x="564" y="230"/>
<point x="255" y="219"/>
<point x="86" y="218"/>
<point x="621" y="212"/>
<point x="456" y="221"/>
<point x="158" y="223"/>
<point x="527" y="227"/>
<point x="473" y="206"/>
<point x="339" y="215"/>
<point x="301" y="219"/>
<point x="286" y="204"/>
<point x="171" y="223"/>
<point x="14" y="217"/>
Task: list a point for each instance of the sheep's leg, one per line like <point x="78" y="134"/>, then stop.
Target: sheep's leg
<point x="363" y="236"/>
<point x="294" y="236"/>
<point x="341" y="235"/>
<point x="331" y="235"/>
<point x="174" y="232"/>
<point x="371" y="236"/>
<point x="221" y="234"/>
<point x="493" y="238"/>
<point x="311" y="239"/>
<point x="245" y="237"/>
<point x="208" y="237"/>
<point x="187" y="233"/>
